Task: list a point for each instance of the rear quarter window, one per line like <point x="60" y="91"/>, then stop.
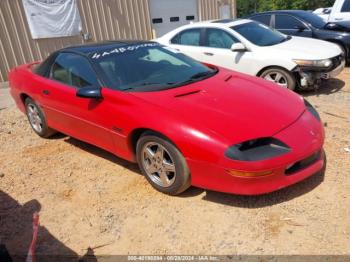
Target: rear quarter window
<point x="43" y="69"/>
<point x="188" y="37"/>
<point x="264" y="19"/>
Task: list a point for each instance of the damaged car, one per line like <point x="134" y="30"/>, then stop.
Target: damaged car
<point x="253" y="48"/>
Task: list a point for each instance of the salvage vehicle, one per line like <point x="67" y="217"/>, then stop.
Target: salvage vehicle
<point x="183" y="122"/>
<point x="255" y="49"/>
<point x="307" y="24"/>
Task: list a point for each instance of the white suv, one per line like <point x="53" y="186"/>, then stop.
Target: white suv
<point x="339" y="12"/>
<point x="254" y="48"/>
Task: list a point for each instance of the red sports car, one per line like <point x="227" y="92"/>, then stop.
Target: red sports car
<point x="183" y="122"/>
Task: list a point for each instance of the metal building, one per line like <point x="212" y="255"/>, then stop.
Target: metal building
<point x="101" y="20"/>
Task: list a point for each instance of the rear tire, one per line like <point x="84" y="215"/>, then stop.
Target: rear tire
<point x="37" y="119"/>
<point x="162" y="164"/>
<point x="280" y="77"/>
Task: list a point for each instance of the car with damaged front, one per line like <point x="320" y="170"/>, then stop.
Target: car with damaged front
<point x="185" y="123"/>
<point x="255" y="49"/>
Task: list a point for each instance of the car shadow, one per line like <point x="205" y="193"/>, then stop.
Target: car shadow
<point x="328" y="87"/>
<point x="270" y="199"/>
<point x="103" y="154"/>
<point x="57" y="136"/>
<point x="16" y="233"/>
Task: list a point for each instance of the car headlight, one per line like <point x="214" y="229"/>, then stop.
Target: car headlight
<point x="312" y="110"/>
<point x="257" y="149"/>
<point x="325" y="63"/>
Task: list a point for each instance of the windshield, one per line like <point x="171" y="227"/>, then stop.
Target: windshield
<point x="148" y="67"/>
<point x="260" y="34"/>
<point x="312" y="19"/>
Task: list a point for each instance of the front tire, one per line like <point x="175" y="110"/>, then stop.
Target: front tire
<point x="280" y="77"/>
<point x="37" y="119"/>
<point x="162" y="164"/>
<point x="343" y="49"/>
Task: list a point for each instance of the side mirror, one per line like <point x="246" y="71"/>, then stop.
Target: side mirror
<point x="92" y="92"/>
<point x="300" y="28"/>
<point x="238" y="47"/>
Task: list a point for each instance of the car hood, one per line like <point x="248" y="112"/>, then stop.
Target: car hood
<point x="307" y="48"/>
<point x="233" y="105"/>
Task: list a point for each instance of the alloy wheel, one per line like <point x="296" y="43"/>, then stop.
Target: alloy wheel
<point x="158" y="164"/>
<point x="277" y="78"/>
<point x="34" y="118"/>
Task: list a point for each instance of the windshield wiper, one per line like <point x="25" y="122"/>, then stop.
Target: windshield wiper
<point x="196" y="77"/>
<point x="146" y="84"/>
<point x="201" y="74"/>
<point x="204" y="74"/>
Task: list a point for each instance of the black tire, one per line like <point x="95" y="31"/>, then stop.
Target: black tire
<point x="45" y="131"/>
<point x="181" y="181"/>
<point x="344" y="50"/>
<point x="288" y="76"/>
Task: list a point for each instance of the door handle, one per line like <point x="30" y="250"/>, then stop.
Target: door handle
<point x="209" y="54"/>
<point x="46" y="92"/>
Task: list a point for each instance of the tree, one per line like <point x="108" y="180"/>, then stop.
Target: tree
<point x="246" y="7"/>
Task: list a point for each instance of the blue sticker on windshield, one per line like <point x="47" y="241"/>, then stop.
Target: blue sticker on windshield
<point x="121" y="50"/>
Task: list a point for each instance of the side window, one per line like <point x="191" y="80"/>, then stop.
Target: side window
<point x="73" y="70"/>
<point x="188" y="37"/>
<point x="219" y="39"/>
<point x="287" y="22"/>
<point x="265" y="19"/>
<point x="346" y="6"/>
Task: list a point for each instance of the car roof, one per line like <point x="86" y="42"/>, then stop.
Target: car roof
<point x="282" y="11"/>
<point x="219" y="22"/>
<point x="87" y="49"/>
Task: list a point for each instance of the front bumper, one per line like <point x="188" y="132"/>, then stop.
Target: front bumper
<point x="336" y="71"/>
<point x="313" y="77"/>
<point x="223" y="182"/>
<point x="305" y="159"/>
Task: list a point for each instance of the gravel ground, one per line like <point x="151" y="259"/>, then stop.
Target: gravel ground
<point x="90" y="198"/>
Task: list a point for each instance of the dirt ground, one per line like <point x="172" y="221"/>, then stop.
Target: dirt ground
<point x="90" y="198"/>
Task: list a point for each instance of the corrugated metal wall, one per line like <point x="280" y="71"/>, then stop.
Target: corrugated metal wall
<point x="208" y="9"/>
<point x="103" y="19"/>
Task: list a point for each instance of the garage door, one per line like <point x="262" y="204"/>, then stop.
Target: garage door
<point x="167" y="15"/>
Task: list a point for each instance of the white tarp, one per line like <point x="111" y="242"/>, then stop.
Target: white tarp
<point x="52" y="18"/>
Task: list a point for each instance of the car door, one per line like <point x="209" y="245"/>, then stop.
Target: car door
<point x="189" y="42"/>
<point x="82" y="118"/>
<point x="291" y="25"/>
<point x="217" y="50"/>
